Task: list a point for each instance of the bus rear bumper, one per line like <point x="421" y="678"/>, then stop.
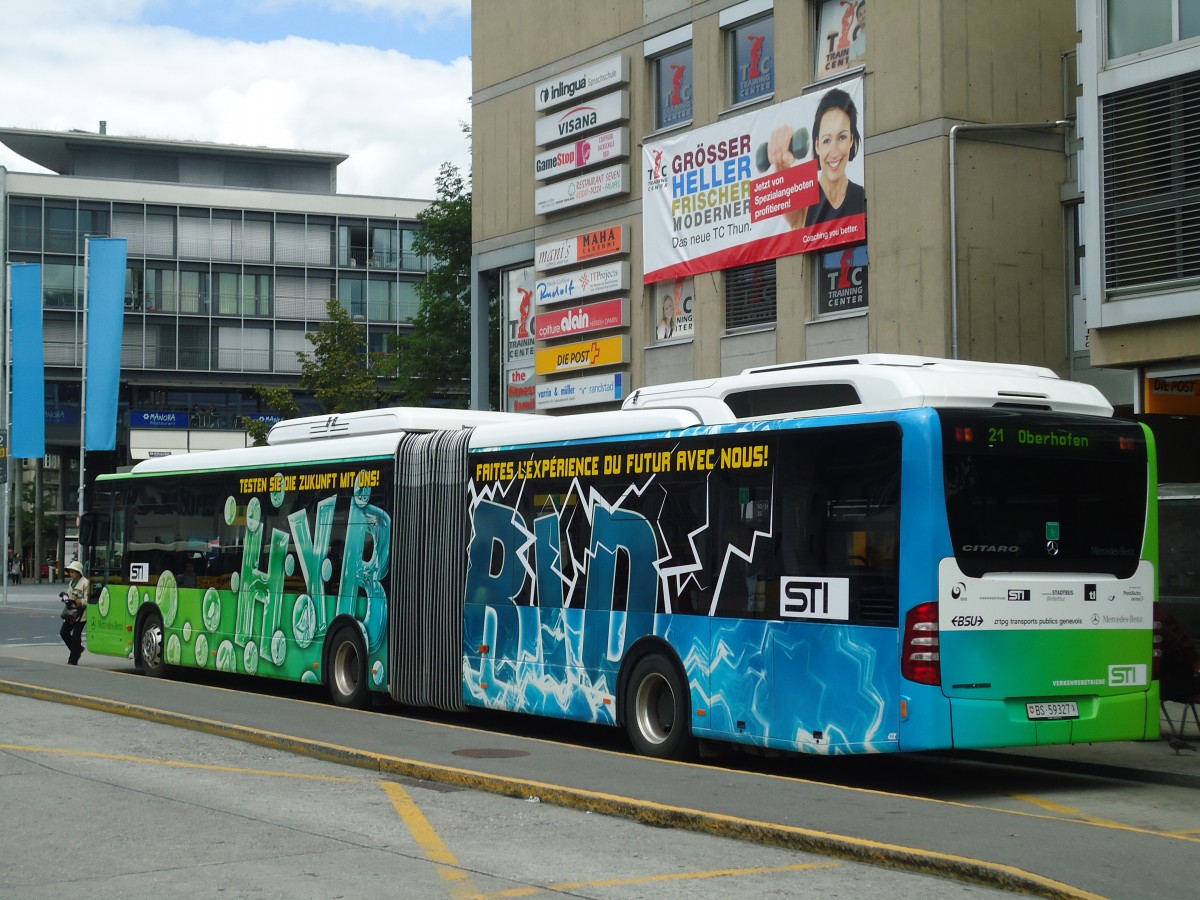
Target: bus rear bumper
<point x="1006" y="723"/>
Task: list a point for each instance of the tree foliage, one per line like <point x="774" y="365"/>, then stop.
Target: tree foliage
<point x="339" y="373"/>
<point x="435" y="363"/>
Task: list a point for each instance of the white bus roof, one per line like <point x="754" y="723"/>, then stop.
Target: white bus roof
<point x="390" y="420"/>
<point x="364" y="447"/>
<point x="873" y="383"/>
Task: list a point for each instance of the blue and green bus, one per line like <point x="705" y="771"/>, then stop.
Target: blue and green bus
<point x="869" y="554"/>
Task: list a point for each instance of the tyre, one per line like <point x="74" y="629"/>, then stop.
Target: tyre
<point x="658" y="710"/>
<point x="348" y="668"/>
<point x="150" y="646"/>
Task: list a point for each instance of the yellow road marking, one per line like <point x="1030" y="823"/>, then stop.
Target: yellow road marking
<point x="658" y="879"/>
<point x="1088" y="819"/>
<point x="1071" y="811"/>
<point x="430" y="842"/>
<point x="116" y="757"/>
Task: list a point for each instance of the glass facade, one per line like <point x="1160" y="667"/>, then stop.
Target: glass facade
<point x="216" y="289"/>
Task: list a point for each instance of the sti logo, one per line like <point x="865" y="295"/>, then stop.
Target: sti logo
<point x="1129" y="675"/>
<point x="1019" y="594"/>
<point x="139" y="572"/>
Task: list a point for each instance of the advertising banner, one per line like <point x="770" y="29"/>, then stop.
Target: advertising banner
<point x="28" y="363"/>
<point x="601" y="279"/>
<point x="519" y="390"/>
<point x="581" y="83"/>
<point x="157" y="419"/>
<point x="1173" y="396"/>
<point x="572" y="320"/>
<point x="518" y="304"/>
<point x="673" y="302"/>
<point x="582" y="247"/>
<point x="105" y="320"/>
<point x="781" y="180"/>
<point x="585" y="152"/>
<point x="841" y="36"/>
<point x="585" y="355"/>
<point x="581" y="118"/>
<point x="598" y="185"/>
<point x="842" y="282"/>
<point x="582" y="391"/>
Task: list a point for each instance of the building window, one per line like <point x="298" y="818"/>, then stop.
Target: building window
<point x="841" y="36"/>
<point x="1136" y="27"/>
<point x="1151" y="178"/>
<point x="674" y="302"/>
<point x="751" y="55"/>
<point x="409" y="301"/>
<point x="750" y="296"/>
<point x="842" y="280"/>
<point x="25" y="227"/>
<point x="672" y="77"/>
<point x="60" y="229"/>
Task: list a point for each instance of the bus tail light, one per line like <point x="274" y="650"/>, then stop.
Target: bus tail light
<point x="1156" y="645"/>
<point x="920" y="659"/>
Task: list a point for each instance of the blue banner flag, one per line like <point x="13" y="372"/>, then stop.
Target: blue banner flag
<point x="105" y="320"/>
<point x="28" y="364"/>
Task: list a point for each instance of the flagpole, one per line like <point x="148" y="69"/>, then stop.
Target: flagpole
<point x="87" y="246"/>
<point x="4" y="408"/>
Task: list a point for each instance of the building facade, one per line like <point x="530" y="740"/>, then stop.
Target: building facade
<point x="233" y="256"/>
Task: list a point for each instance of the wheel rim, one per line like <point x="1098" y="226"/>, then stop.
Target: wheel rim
<point x="152" y="646"/>
<point x="345" y="668"/>
<point x="655" y="707"/>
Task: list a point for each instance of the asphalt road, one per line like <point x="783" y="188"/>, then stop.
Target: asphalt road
<point x="105" y="806"/>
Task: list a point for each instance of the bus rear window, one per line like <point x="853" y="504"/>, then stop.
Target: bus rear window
<point x="1035" y="492"/>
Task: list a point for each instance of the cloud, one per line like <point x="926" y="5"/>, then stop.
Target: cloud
<point x="396" y="116"/>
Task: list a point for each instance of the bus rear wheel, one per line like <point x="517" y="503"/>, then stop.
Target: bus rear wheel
<point x="348" y="668"/>
<point x="150" y="659"/>
<point x="657" y="710"/>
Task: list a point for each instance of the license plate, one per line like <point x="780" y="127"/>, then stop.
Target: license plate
<point x="1062" y="709"/>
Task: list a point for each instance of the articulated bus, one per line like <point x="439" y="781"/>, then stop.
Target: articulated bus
<point x="869" y="554"/>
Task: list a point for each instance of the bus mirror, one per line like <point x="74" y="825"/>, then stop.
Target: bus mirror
<point x="87" y="526"/>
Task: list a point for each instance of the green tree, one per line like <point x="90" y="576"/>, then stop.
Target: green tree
<point x="435" y="361"/>
<point x="279" y="400"/>
<point x="340" y="373"/>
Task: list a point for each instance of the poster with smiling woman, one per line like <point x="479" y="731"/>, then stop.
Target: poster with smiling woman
<point x="781" y="180"/>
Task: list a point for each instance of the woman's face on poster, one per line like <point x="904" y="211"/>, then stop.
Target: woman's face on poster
<point x="835" y="141"/>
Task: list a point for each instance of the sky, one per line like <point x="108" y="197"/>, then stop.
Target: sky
<point x="387" y="82"/>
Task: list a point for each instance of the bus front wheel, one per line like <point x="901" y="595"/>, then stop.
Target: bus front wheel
<point x="657" y="710"/>
<point x="348" y="668"/>
<point x="150" y="647"/>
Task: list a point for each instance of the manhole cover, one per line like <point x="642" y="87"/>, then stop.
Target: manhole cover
<point x="489" y="753"/>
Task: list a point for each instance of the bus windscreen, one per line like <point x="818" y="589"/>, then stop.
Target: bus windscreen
<point x="1038" y="492"/>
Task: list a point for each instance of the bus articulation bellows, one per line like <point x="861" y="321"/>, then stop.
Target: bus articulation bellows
<point x="869" y="554"/>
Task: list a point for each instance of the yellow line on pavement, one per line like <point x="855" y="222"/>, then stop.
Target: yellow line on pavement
<point x="170" y="763"/>
<point x="430" y="842"/>
<point x="1074" y="813"/>
<point x="1080" y="816"/>
<point x="658" y="879"/>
